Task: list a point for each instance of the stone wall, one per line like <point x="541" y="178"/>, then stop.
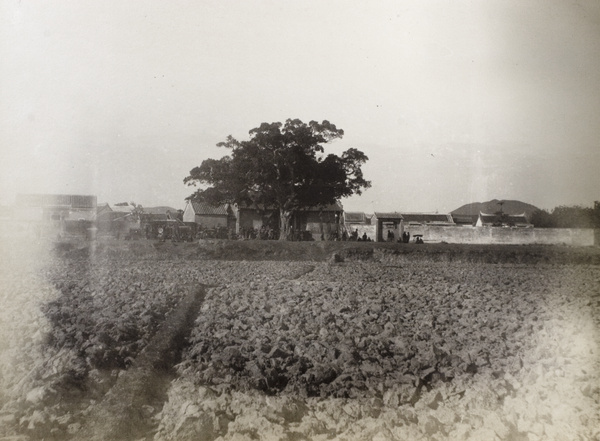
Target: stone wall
<point x="515" y="236"/>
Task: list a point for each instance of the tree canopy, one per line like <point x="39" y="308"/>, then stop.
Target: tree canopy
<point x="283" y="166"/>
<point x="564" y="216"/>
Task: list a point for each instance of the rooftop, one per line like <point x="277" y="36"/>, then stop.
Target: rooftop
<point x="204" y="208"/>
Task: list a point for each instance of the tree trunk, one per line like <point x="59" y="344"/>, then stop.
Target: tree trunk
<point x="285" y="218"/>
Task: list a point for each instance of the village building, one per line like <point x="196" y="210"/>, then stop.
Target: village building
<point x="311" y="223"/>
<point x="249" y="217"/>
<point x="360" y="223"/>
<point x="105" y="213"/>
<point x="105" y="216"/>
<point x="415" y="223"/>
<point x="355" y="218"/>
<point x="465" y="220"/>
<point x="55" y="207"/>
<point x="392" y="226"/>
<point x="55" y="214"/>
<point x="323" y="222"/>
<point x="503" y="220"/>
<point x="208" y="216"/>
<point x="116" y="220"/>
<point x="388" y="226"/>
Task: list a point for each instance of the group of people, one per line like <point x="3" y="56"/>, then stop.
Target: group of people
<point x="405" y="237"/>
<point x="354" y="236"/>
<point x="268" y="233"/>
<point x="262" y="233"/>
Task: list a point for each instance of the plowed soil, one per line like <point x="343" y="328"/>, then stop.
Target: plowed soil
<point x="306" y="341"/>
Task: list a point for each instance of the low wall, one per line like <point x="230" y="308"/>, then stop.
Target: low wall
<point x="362" y="229"/>
<point x="514" y="236"/>
<point x="315" y="229"/>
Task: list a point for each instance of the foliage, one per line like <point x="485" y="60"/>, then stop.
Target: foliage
<point x="567" y="217"/>
<point x="281" y="166"/>
<point x="542" y="219"/>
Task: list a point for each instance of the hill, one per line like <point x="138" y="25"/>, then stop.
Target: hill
<point x="508" y="207"/>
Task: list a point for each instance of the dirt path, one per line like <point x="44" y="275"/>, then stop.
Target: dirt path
<point x="126" y="410"/>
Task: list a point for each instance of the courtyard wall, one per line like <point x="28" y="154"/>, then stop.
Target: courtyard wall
<point x="513" y="236"/>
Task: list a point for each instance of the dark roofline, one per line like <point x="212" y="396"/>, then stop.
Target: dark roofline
<point x="390" y="215"/>
<point x="428" y="217"/>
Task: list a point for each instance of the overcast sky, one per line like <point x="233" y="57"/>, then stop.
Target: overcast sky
<point x="452" y="101"/>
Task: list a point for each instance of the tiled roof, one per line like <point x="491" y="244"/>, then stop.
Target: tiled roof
<point x="203" y="208"/>
<point x="103" y="208"/>
<point x="393" y="215"/>
<point x="427" y="217"/>
<point x="516" y="219"/>
<point x="464" y="219"/>
<point x="355" y="217"/>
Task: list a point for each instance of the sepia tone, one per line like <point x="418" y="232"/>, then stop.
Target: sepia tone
<point x="456" y="296"/>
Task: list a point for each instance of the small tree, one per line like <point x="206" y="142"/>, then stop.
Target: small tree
<point x="282" y="166"/>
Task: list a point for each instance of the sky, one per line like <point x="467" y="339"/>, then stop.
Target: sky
<point x="452" y="101"/>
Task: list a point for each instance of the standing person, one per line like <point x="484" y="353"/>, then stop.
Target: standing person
<point x="390" y="236"/>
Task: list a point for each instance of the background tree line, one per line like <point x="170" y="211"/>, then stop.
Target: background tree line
<point x="563" y="216"/>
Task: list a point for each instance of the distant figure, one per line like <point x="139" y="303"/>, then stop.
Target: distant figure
<point x="418" y="240"/>
<point x="390" y="236"/>
<point x="364" y="237"/>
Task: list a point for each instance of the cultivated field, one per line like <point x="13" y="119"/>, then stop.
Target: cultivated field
<point x="299" y="341"/>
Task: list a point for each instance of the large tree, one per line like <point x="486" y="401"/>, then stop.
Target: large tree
<point x="281" y="166"/>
